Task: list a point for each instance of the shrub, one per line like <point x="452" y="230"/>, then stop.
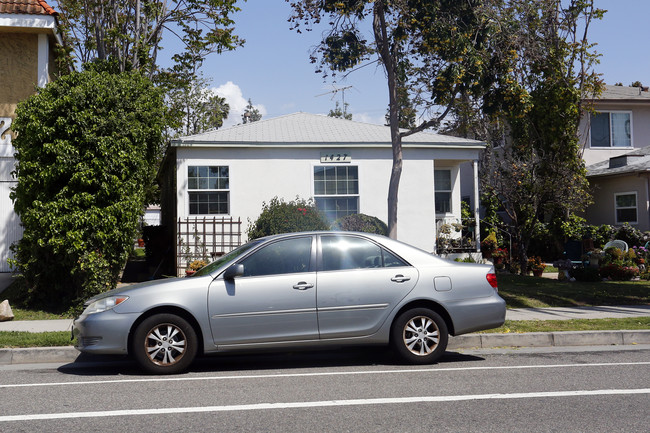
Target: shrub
<point x="279" y="216"/>
<point x="631" y="235"/>
<point x="86" y="147"/>
<point x="361" y="223"/>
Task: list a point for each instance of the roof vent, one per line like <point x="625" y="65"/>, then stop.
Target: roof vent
<point x="623" y="160"/>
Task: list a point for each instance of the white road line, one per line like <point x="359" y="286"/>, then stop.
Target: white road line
<point x="328" y="373"/>
<point x="312" y="404"/>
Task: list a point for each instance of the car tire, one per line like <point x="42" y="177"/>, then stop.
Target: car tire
<point x="419" y="336"/>
<point x="164" y="344"/>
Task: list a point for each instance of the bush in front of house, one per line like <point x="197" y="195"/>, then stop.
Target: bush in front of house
<point x="86" y="147"/>
<point x="361" y="223"/>
<point x="278" y="217"/>
<point x="619" y="265"/>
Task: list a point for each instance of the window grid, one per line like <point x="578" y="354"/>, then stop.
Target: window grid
<point x="336" y="190"/>
<point x="442" y="187"/>
<point x="208" y="190"/>
<point x="626" y="208"/>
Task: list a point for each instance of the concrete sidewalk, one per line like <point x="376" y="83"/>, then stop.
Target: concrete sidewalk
<point x="469" y="341"/>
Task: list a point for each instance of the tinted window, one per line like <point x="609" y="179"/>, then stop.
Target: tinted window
<point x="283" y="257"/>
<point x="347" y="252"/>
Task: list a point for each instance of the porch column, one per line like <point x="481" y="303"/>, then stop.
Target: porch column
<point x="435" y="221"/>
<point x="476" y="208"/>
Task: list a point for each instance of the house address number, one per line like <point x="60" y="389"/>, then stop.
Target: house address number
<point x="334" y="157"/>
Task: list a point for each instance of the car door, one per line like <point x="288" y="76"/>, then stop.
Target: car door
<point x="359" y="284"/>
<point x="274" y="299"/>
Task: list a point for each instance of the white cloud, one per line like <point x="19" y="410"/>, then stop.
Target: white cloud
<point x="367" y="118"/>
<point x="237" y="102"/>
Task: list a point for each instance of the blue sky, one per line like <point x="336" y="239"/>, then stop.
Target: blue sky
<point x="273" y="67"/>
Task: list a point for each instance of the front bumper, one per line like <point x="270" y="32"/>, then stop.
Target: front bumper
<point x="103" y="333"/>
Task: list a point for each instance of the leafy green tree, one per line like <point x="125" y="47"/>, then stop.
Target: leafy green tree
<point x="538" y="173"/>
<point x="431" y="51"/>
<point x="279" y="217"/>
<point x="197" y="107"/>
<point x="85" y="149"/>
<point x="361" y="223"/>
<point x="130" y="32"/>
<point x="251" y="114"/>
<point x="341" y="113"/>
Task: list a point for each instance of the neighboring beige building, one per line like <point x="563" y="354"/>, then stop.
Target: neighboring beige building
<point x="28" y="36"/>
<point x="616" y="143"/>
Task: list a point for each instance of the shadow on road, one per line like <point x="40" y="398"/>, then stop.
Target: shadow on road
<point x="89" y="365"/>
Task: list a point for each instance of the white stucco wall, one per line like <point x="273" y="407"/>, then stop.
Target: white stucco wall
<point x="259" y="174"/>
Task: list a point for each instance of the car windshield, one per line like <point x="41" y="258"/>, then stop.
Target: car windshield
<point x="208" y="269"/>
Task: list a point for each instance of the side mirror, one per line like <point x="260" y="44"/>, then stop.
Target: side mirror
<point x="233" y="271"/>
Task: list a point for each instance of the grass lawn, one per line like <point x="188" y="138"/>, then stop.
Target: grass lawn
<point x="534" y="292"/>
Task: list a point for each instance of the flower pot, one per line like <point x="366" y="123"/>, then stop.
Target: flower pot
<point x="190" y="272"/>
<point x="538" y="272"/>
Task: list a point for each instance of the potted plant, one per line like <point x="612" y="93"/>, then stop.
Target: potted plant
<point x="499" y="255"/>
<point x="489" y="245"/>
<point x="536" y="265"/>
<point x="194" y="266"/>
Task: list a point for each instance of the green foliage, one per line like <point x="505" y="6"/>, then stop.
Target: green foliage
<point x="361" y="223"/>
<point x="86" y="149"/>
<point x="631" y="235"/>
<point x="341" y="113"/>
<point x="279" y="216"/>
<point x="251" y="114"/>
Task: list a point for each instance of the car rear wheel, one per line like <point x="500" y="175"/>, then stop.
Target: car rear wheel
<point x="419" y="336"/>
<point x="164" y="344"/>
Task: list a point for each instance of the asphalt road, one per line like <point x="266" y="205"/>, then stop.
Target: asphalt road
<point x="587" y="390"/>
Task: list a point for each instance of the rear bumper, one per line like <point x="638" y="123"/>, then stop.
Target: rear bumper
<point x="477" y="314"/>
<point x="103" y="333"/>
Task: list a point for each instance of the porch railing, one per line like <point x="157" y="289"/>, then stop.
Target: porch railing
<point x="455" y="235"/>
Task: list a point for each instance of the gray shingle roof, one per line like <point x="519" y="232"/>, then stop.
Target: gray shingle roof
<point x="637" y="161"/>
<point x="624" y="93"/>
<point x="304" y="129"/>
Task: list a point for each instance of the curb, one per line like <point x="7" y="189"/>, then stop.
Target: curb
<point x="34" y="355"/>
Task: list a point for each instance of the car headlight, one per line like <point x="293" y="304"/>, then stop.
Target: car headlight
<point x="104" y="304"/>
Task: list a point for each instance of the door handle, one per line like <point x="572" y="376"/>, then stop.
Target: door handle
<point x="400" y="278"/>
<point x="303" y="286"/>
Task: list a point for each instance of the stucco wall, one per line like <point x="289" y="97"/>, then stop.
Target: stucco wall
<point x="603" y="211"/>
<point x="640" y="132"/>
<point x="18" y="69"/>
<point x="259" y="174"/>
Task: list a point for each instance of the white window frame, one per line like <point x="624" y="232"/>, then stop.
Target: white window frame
<point x="611" y="130"/>
<point x="635" y="207"/>
<point x="198" y="190"/>
<point x="335" y="196"/>
<point x="450" y="170"/>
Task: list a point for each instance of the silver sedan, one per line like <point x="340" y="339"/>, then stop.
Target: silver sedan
<point x="297" y="289"/>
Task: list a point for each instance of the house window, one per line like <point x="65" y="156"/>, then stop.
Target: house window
<point x="625" y="204"/>
<point x="336" y="190"/>
<point x="611" y="129"/>
<point x="208" y="188"/>
<point x="442" y="184"/>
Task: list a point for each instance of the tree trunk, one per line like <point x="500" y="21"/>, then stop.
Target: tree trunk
<point x="388" y="60"/>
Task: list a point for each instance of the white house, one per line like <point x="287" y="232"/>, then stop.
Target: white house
<point x="616" y="140"/>
<point x="28" y="36"/>
<point x="344" y="165"/>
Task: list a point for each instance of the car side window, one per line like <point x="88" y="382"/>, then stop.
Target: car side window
<point x="391" y="260"/>
<point x="283" y="257"/>
<point x="348" y="252"/>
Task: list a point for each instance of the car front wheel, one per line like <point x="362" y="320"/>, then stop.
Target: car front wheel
<point x="419" y="336"/>
<point x="164" y="344"/>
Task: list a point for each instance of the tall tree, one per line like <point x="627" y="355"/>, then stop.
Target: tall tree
<point x="541" y="157"/>
<point x="341" y="113"/>
<point x="251" y="114"/>
<point x="431" y="51"/>
<point x="131" y="32"/>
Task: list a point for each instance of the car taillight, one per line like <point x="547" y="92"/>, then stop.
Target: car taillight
<point x="492" y="279"/>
